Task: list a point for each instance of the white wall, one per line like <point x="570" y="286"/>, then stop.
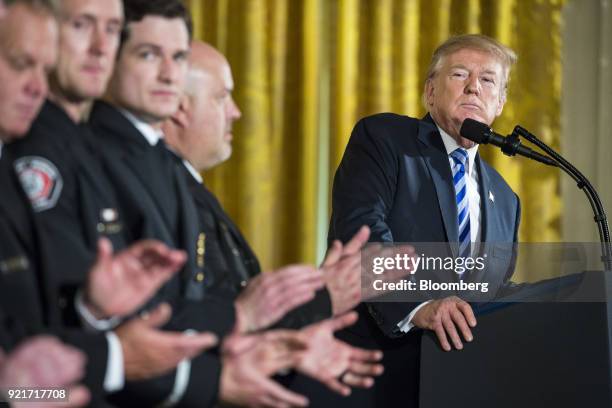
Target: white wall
<point x="586" y="111"/>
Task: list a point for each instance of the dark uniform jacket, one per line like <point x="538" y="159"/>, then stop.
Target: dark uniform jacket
<point x="149" y="180"/>
<point x="229" y="262"/>
<point x="29" y="304"/>
<point x="73" y="202"/>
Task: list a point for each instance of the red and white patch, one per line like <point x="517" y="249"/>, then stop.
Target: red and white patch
<point x="41" y="181"/>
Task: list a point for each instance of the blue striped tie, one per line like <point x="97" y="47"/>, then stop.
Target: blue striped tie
<point x="460" y="157"/>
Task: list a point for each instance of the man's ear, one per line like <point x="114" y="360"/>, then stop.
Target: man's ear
<point x="429" y="91"/>
<point x="501" y="103"/>
<point x="182" y="116"/>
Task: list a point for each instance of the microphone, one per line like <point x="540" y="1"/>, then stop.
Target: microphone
<point x="482" y="134"/>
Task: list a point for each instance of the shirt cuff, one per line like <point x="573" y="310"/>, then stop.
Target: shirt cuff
<point x="406" y="325"/>
<point x="89" y="320"/>
<point x="115" y="375"/>
<point x="181" y="379"/>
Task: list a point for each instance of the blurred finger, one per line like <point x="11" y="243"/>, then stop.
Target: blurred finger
<point x="343" y="321"/>
<point x="357" y="380"/>
<point x="78" y="396"/>
<point x="158" y="317"/>
<point x="365" y="369"/>
<point x="358" y="241"/>
<point x="338" y="387"/>
<point x="281" y="394"/>
<point x="333" y="254"/>
<point x="193" y="344"/>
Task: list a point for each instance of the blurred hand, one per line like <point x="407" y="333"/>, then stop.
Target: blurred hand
<point x="444" y="316"/>
<point x="45" y="362"/>
<point x="328" y="358"/>
<point x="118" y="285"/>
<point x="269" y="296"/>
<point x="250" y="361"/>
<point x="342" y="269"/>
<point x="150" y="352"/>
<point x="342" y="272"/>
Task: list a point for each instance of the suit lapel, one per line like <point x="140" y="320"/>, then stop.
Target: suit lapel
<point x="436" y="159"/>
<point x="189" y="219"/>
<point x="145" y="169"/>
<point x="136" y="153"/>
<point x="487" y="203"/>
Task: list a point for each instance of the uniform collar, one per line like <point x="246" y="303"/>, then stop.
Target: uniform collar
<point x="193" y="172"/>
<point x="151" y="134"/>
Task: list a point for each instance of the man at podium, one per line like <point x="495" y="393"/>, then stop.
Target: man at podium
<point x="418" y="180"/>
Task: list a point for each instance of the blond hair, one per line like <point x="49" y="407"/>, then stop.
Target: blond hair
<point x="505" y="55"/>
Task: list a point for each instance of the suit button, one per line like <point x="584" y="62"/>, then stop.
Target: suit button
<point x="235" y="252"/>
<point x="199" y="277"/>
<point x="62" y="302"/>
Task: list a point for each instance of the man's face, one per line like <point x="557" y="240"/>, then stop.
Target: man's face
<point x="209" y="136"/>
<point x="28" y="50"/>
<point x="150" y="73"/>
<point x="89" y="37"/>
<point x="469" y="84"/>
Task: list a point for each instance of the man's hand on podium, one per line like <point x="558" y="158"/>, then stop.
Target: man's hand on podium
<point x="444" y="316"/>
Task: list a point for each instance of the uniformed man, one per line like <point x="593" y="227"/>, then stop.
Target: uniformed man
<point x="200" y="131"/>
<point x="116" y="285"/>
<point x="143" y="92"/>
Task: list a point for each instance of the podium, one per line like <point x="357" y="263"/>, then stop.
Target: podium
<point x="547" y="346"/>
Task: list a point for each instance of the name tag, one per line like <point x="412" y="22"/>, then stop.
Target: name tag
<point x="14" y="264"/>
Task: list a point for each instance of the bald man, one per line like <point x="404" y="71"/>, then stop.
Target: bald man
<point x="201" y="133"/>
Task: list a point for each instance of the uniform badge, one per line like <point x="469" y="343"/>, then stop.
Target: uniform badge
<point x="201" y="249"/>
<point x="109" y="215"/>
<point x="109" y="224"/>
<point x="41" y="181"/>
<point x="17" y="263"/>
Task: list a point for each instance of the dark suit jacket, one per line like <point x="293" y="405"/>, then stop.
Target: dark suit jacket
<point x="395" y="177"/>
<point x="149" y="181"/>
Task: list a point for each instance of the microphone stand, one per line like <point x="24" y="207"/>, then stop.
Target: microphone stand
<point x="585" y="185"/>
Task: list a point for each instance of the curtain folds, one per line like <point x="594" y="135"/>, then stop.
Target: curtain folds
<point x="307" y="70"/>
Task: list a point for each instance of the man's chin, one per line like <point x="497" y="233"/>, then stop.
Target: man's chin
<point x="478" y="117"/>
<point x="466" y="143"/>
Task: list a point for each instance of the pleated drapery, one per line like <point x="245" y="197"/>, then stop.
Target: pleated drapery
<point x="307" y="70"/>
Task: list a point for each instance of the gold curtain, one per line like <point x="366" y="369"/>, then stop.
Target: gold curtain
<point x="307" y="70"/>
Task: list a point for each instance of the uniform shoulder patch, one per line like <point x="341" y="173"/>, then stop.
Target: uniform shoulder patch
<point x="41" y="181"/>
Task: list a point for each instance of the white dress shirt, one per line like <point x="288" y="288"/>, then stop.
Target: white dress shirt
<point x="473" y="194"/>
<point x="193" y="172"/>
<point x="151" y="134"/>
